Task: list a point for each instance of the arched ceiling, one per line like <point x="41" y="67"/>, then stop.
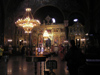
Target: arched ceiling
<point x="89" y="8"/>
<point x="52" y="11"/>
<point x="11" y="5"/>
<point x="78" y="16"/>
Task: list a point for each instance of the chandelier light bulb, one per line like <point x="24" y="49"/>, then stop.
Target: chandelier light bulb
<point x="28" y="9"/>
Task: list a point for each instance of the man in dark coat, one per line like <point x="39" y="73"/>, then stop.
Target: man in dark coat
<point x="74" y="58"/>
<point x="23" y="51"/>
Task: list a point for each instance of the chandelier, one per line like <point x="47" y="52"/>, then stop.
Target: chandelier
<point x="45" y="35"/>
<point x="27" y="22"/>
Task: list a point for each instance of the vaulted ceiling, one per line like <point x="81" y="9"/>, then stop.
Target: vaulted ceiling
<point x="86" y="10"/>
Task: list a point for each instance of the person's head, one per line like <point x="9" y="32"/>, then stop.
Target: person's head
<point x="72" y="42"/>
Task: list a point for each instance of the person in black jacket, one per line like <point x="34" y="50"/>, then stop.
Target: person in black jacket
<point x="74" y="58"/>
<point x="23" y="51"/>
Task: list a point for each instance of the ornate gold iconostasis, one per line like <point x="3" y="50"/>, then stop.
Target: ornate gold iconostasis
<point x="56" y="34"/>
<point x="76" y="32"/>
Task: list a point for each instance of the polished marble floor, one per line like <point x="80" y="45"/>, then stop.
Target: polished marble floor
<point x="17" y="65"/>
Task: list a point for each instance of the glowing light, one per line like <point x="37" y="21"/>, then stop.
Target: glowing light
<point x="9" y="40"/>
<point x="86" y="34"/>
<point x="75" y="20"/>
<point x="45" y="35"/>
<point x="24" y="41"/>
<point x="66" y="41"/>
<point x="82" y="39"/>
<point x="20" y="40"/>
<point x="53" y="20"/>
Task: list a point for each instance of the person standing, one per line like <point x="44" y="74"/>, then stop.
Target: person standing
<point x="75" y="58"/>
<point x="61" y="51"/>
<point x="23" y="51"/>
<point x="21" y="45"/>
<point x="1" y="52"/>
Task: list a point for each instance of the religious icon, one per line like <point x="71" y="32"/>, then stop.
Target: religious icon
<point x="55" y="30"/>
<point x="56" y="39"/>
<point x="48" y="30"/>
<point x="40" y="38"/>
<point x="34" y="40"/>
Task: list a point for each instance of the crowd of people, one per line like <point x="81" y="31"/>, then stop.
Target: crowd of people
<point x="73" y="55"/>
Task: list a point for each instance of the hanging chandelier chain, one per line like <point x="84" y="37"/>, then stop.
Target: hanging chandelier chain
<point x="28" y="3"/>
